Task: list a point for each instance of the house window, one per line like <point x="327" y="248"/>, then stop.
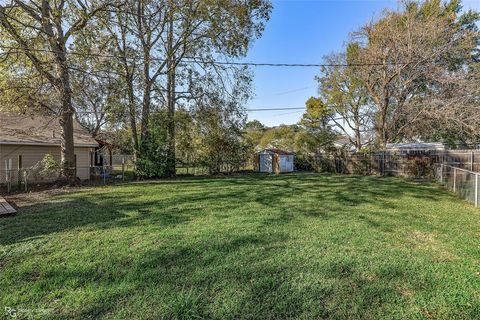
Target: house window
<point x="20" y="161"/>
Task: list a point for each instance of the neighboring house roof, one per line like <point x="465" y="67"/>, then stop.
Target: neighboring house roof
<point x="341" y="142"/>
<point x="39" y="130"/>
<point x="416" y="146"/>
<point x="276" y="150"/>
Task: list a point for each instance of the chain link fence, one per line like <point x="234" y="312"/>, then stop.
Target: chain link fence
<point x="463" y="182"/>
<point x="457" y="170"/>
<point x="408" y="163"/>
<point x="122" y="169"/>
<point x="26" y="179"/>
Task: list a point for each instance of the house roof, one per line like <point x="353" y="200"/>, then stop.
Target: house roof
<point x="342" y="141"/>
<point x="276" y="150"/>
<point x="39" y="130"/>
<point x="416" y="146"/>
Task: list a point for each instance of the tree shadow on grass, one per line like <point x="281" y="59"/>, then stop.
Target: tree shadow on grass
<point x="231" y="276"/>
<point x="80" y="212"/>
<point x="239" y="273"/>
<point x="285" y="197"/>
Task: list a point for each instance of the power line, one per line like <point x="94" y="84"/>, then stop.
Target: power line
<point x="252" y="109"/>
<point x="287" y="113"/>
<point x="294" y="90"/>
<point x="275" y="109"/>
<point x="246" y="109"/>
<point x="200" y="60"/>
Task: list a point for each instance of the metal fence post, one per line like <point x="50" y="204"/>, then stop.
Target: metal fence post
<point x="441" y="173"/>
<point x="383" y="163"/>
<point x="8" y="174"/>
<point x="471" y="160"/>
<point x="454" y="179"/>
<point x="25" y="182"/>
<point x="123" y="168"/>
<point x="476" y="191"/>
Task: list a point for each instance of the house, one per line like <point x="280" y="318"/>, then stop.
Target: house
<point x="415" y="146"/>
<point x="26" y="139"/>
<point x="343" y="142"/>
<point x="274" y="160"/>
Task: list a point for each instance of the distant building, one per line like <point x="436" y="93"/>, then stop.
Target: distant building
<point x="415" y="146"/>
<point x="274" y="160"/>
<point x="25" y="140"/>
<point x="343" y="142"/>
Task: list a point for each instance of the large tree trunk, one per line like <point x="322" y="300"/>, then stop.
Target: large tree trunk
<point x="380" y="132"/>
<point x="144" y="134"/>
<point x="67" y="153"/>
<point x="147" y="82"/>
<point x="133" y="120"/>
<point x="358" y="138"/>
<point x="170" y="169"/>
<point x="171" y="160"/>
<point x="381" y="121"/>
<point x="147" y="88"/>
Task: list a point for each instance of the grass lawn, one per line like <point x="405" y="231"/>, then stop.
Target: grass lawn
<point x="290" y="246"/>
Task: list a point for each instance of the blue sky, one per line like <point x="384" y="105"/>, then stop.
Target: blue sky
<point x="301" y="31"/>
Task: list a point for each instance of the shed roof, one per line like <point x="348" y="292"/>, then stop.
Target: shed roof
<point x="39" y="130"/>
<point x="277" y="151"/>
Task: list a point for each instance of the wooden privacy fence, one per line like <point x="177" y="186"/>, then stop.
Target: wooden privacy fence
<point x="423" y="163"/>
<point x="412" y="163"/>
<point x="457" y="170"/>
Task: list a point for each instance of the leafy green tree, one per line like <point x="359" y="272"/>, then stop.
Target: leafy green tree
<point x="318" y="135"/>
<point x="221" y="147"/>
<point x="205" y="30"/>
<point x="186" y="137"/>
<point x="97" y="89"/>
<point x="346" y="102"/>
<point x="282" y="137"/>
<point x="316" y="115"/>
<point x="167" y="32"/>
<point x="254" y="125"/>
<point x="36" y="35"/>
<point x="254" y="131"/>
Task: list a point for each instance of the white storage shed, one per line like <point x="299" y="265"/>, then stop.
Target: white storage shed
<point x="275" y="160"/>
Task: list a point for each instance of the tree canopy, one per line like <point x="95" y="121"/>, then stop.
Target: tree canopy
<point x="411" y="74"/>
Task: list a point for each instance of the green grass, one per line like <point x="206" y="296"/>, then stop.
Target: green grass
<point x="290" y="246"/>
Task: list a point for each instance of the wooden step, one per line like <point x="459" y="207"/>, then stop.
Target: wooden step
<point x="5" y="207"/>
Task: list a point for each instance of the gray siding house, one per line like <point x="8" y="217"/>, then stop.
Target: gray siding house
<point x="26" y="139"/>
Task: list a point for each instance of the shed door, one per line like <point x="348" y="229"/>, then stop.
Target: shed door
<point x="283" y="163"/>
<point x="286" y="163"/>
<point x="290" y="163"/>
<point x="265" y="163"/>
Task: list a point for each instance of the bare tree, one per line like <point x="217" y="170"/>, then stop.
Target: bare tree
<point x="408" y="58"/>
